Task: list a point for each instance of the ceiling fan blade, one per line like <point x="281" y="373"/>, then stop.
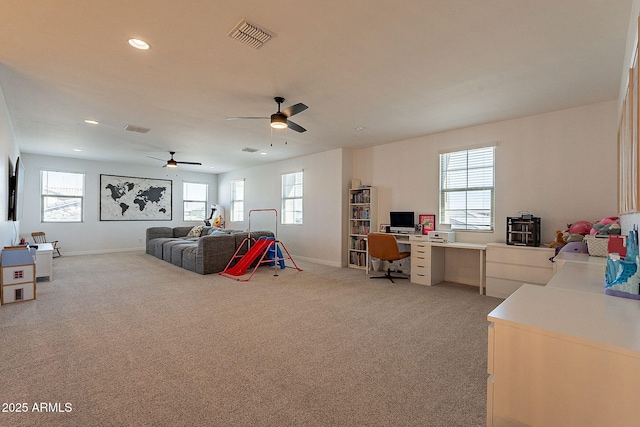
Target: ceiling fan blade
<point x="294" y="109"/>
<point x="155" y="158"/>
<point x="244" y="118"/>
<point x="189" y="163"/>
<point x="295" y="126"/>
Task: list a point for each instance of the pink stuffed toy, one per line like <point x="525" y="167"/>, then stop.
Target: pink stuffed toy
<point x="580" y="227"/>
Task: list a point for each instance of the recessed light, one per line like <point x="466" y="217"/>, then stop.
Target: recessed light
<point x="139" y="44"/>
<point x="360" y="128"/>
<point x="77" y="150"/>
<point x="91" y="122"/>
<point x="263" y="153"/>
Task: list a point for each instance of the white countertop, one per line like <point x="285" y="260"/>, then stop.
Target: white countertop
<point x="573" y="306"/>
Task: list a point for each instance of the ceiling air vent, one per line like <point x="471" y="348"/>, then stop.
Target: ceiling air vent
<point x="250" y="34"/>
<point x="139" y="129"/>
<point x="249" y="150"/>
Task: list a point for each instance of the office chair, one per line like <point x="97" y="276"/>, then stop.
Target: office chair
<point x="385" y="247"/>
<point x="41" y="237"/>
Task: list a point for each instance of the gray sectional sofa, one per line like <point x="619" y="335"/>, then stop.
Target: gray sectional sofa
<point x="209" y="253"/>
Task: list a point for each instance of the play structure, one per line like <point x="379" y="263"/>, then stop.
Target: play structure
<point x="263" y="251"/>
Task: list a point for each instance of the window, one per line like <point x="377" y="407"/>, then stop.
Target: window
<point x="467" y="189"/>
<point x="237" y="200"/>
<point x="194" y="201"/>
<point x="292" y="198"/>
<point x="62" y="196"/>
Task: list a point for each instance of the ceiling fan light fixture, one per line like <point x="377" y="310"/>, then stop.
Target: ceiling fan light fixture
<point x="139" y="44"/>
<point x="279" y="121"/>
<point x="172" y="163"/>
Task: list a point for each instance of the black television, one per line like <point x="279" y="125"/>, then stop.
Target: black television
<point x="16" y="192"/>
<point x="402" y="222"/>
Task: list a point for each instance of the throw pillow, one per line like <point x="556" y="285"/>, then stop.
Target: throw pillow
<point x="195" y="231"/>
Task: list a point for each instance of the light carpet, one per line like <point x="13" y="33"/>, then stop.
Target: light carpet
<point x="130" y="340"/>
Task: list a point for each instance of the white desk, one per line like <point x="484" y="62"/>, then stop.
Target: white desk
<point x="44" y="261"/>
<point x="428" y="260"/>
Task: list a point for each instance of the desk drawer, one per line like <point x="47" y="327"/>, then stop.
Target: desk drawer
<point x="421" y="273"/>
<point x="420" y="252"/>
<point x="521" y="273"/>
<point x="538" y="257"/>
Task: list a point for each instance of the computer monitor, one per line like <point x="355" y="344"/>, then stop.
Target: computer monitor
<point x="402" y="222"/>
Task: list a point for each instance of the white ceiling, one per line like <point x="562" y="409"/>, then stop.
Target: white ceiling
<point x="401" y="69"/>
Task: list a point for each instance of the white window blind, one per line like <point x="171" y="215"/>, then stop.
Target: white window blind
<point x="467" y="189"/>
<point x="292" y="189"/>
<point x="237" y="200"/>
<point x="62" y="196"/>
<point x="194" y="201"/>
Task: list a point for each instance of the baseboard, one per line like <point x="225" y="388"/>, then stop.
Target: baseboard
<point x="317" y="261"/>
<point x="103" y="251"/>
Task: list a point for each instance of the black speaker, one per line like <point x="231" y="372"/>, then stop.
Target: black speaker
<point x="387" y="229"/>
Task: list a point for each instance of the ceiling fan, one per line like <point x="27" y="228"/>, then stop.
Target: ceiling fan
<point x="171" y="163"/>
<point x="280" y="119"/>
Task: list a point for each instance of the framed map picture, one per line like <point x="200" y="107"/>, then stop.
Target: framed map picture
<point x="126" y="198"/>
<point x="428" y="223"/>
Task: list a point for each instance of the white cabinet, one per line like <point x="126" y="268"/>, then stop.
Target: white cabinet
<point x="363" y="219"/>
<point x="427" y="262"/>
<point x="44" y="261"/>
<point x="509" y="267"/>
<point x="562" y="357"/>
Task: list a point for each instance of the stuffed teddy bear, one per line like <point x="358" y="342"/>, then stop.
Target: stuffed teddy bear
<point x="559" y="242"/>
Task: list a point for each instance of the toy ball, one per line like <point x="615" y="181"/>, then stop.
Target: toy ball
<point x="575" y="247"/>
<point x="580" y="227"/>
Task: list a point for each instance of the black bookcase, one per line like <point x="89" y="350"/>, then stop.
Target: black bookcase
<point x="523" y="231"/>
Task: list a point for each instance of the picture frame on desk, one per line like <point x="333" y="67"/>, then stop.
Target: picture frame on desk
<point x="384" y="227"/>
<point x="428" y="222"/>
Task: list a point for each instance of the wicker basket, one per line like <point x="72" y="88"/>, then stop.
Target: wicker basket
<point x="597" y="245"/>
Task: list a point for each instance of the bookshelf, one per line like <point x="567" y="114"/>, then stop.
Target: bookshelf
<point x="363" y="219"/>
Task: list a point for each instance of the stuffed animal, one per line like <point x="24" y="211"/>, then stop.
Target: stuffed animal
<point x="568" y="238"/>
<point x="559" y="242"/>
<point x="580" y="227"/>
<point x="575" y="247"/>
<point x="608" y="225"/>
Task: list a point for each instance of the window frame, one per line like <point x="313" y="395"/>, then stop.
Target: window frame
<point x="445" y="210"/>
<point x="185" y="201"/>
<point x="287" y="199"/>
<point x="44" y="196"/>
<point x="236" y="215"/>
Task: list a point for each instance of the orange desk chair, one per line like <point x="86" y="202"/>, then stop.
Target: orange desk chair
<point x="385" y="247"/>
<point x="41" y="237"/>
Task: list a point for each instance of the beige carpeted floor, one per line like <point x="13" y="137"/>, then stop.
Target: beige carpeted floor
<point x="130" y="340"/>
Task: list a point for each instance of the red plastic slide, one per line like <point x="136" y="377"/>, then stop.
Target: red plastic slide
<point x="247" y="259"/>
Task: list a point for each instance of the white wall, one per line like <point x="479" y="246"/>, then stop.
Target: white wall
<point x="9" y="152"/>
<point x="93" y="235"/>
<point x="560" y="166"/>
<point x="320" y="237"/>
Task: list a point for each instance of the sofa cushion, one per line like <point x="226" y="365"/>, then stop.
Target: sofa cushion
<point x="177" y="249"/>
<point x="195" y="231"/>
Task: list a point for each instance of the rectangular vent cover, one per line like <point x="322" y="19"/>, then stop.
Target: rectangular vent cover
<point x="139" y="129"/>
<point x="250" y="34"/>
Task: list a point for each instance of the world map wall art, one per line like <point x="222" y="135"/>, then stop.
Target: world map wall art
<point x="126" y="198"/>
